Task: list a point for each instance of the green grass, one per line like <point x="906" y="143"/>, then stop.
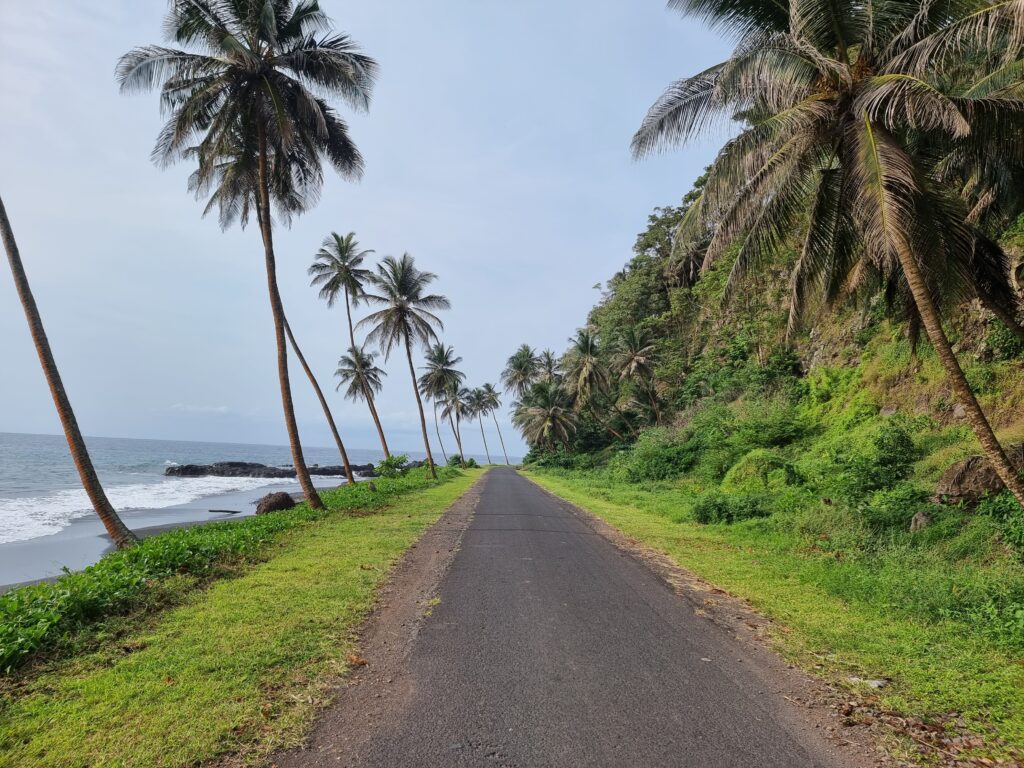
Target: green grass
<point x="236" y="668"/>
<point x="836" y="616"/>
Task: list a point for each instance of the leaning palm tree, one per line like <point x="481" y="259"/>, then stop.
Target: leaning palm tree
<point x="116" y="529"/>
<point x="586" y="375"/>
<point x="338" y="271"/>
<point x="255" y="76"/>
<point x="870" y="127"/>
<point x="441" y="375"/>
<point x="455" y="407"/>
<point x="477" y="410"/>
<point x="521" y="371"/>
<point x="492" y="402"/>
<point x="405" y="318"/>
<point x="545" y="416"/>
<point x="362" y="381"/>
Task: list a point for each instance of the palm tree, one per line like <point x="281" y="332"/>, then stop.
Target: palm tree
<point x="478" y="409"/>
<point x="441" y="375"/>
<point x="547" y="366"/>
<point x="881" y="129"/>
<point x="492" y="402"/>
<point x="634" y="359"/>
<point x="338" y="270"/>
<point x="405" y="318"/>
<point x="586" y="376"/>
<point x="455" y="407"/>
<point x="521" y="370"/>
<point x="323" y="401"/>
<point x="545" y="416"/>
<point x="116" y="529"/>
<point x="253" y="84"/>
<point x="362" y="380"/>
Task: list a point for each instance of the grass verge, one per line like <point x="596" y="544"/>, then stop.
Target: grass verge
<point x="237" y="668"/>
<point x="936" y="667"/>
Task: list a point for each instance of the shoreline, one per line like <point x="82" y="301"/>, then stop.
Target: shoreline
<point x="84" y="540"/>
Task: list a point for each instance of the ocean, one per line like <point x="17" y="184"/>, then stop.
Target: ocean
<point x="40" y="493"/>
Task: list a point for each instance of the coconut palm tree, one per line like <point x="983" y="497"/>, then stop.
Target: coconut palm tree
<point x="323" y="401"/>
<point x="338" y="271"/>
<point x="116" y="529"/>
<point x="455" y="407"/>
<point x="871" y="126"/>
<point x="441" y="375"/>
<point x="492" y="402"/>
<point x="521" y="371"/>
<point x="362" y="381"/>
<point x="634" y="360"/>
<point x="477" y="402"/>
<point x="545" y="416"/>
<point x="405" y="318"/>
<point x="586" y="376"/>
<point x="547" y="366"/>
<point x="255" y="76"/>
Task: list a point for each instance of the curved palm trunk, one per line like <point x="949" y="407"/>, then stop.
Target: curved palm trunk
<point x="502" y="439"/>
<point x="437" y="428"/>
<point x="458" y="438"/>
<point x="301" y="473"/>
<point x="419" y="405"/>
<point x="484" y="436"/>
<point x="323" y="401"/>
<point x="118" y="531"/>
<point x="607" y="427"/>
<point x="975" y="415"/>
<point x="366" y="393"/>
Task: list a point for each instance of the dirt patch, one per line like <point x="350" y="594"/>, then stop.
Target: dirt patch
<point x="377" y="685"/>
<point x="850" y="722"/>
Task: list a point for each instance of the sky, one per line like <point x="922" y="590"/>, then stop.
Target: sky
<point x="497" y="154"/>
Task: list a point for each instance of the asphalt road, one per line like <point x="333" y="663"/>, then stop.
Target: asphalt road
<point x="551" y="647"/>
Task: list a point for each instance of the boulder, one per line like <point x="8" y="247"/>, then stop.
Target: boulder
<point x="919" y="521"/>
<point x="274" y="502"/>
<point x="971" y="480"/>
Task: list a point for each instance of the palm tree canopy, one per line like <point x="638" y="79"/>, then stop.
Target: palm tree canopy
<point x="249" y="76"/>
<point x="476" y="402"/>
<point x="545" y="416"/>
<point x="521" y="370"/>
<point x="874" y="129"/>
<point x="455" y="403"/>
<point x="357" y="373"/>
<point x="492" y="398"/>
<point x="407" y="310"/>
<point x="585" y="372"/>
<point x="441" y="374"/>
<point x="337" y="269"/>
<point x="634" y="356"/>
<point x="547" y="363"/>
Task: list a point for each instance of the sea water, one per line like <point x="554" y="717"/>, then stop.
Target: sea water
<point x="40" y="492"/>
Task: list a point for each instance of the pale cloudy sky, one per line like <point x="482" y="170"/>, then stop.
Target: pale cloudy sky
<point x="497" y="152"/>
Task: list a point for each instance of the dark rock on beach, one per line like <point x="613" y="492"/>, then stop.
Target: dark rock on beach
<point x="249" y="469"/>
<point x="274" y="502"/>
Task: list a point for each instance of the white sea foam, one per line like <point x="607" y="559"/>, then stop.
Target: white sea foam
<point x="29" y="517"/>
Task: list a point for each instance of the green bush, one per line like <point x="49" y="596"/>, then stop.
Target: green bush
<point x="658" y="454"/>
<point x="894" y="507"/>
<point x="1004" y="508"/>
<point x="393" y="466"/>
<point x="471" y="463"/>
<point x="864" y="462"/>
<point x="39" y="616"/>
<point x="759" y="469"/>
<point x="714" y="507"/>
<point x="455" y="461"/>
<point x="1006" y="344"/>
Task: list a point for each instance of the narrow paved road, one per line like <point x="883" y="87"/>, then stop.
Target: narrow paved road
<point x="551" y="647"/>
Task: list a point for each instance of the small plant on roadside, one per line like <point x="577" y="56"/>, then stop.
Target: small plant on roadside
<point x="393" y="466"/>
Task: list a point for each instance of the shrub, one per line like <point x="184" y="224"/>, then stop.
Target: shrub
<point x="454" y="461"/>
<point x="658" y="454"/>
<point x="1004" y="508"/>
<point x="471" y="463"/>
<point x="769" y="424"/>
<point x="758" y="469"/>
<point x="1005" y="344"/>
<point x="393" y="466"/>
<point x="717" y="507"/>
<point x="877" y="460"/>
<point x="894" y="507"/>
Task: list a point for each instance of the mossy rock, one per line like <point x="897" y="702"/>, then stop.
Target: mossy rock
<point x="973" y="479"/>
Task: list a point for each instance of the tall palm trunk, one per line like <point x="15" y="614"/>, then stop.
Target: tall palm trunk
<point x="937" y="335"/>
<point x="419" y="405"/>
<point x="458" y="438"/>
<point x="502" y="439"/>
<point x="366" y="390"/>
<point x="484" y="436"/>
<point x="323" y="401"/>
<point x="437" y="428"/>
<point x="116" y="528"/>
<point x="301" y="473"/>
<point x="603" y="423"/>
